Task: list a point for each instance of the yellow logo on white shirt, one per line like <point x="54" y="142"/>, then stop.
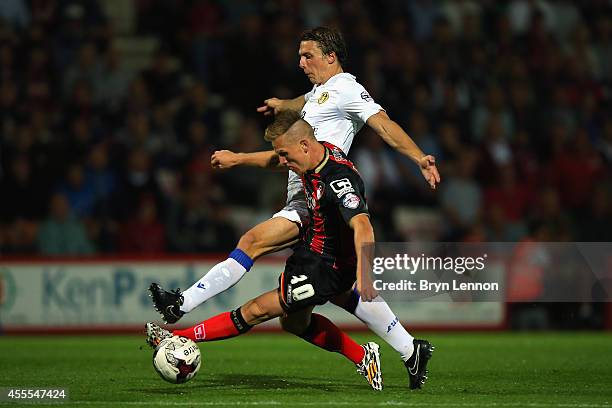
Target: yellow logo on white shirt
<point x="324" y="97"/>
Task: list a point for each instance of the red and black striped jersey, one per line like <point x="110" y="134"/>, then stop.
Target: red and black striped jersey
<point x="335" y="193"/>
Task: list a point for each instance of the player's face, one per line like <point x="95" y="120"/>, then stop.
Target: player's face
<point x="313" y="62"/>
<point x="291" y="154"/>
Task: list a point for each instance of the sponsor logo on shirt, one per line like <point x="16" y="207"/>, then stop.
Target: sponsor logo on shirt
<point x="365" y="96"/>
<point x="312" y="204"/>
<point x="351" y="201"/>
<point x="341" y="187"/>
<point x="323" y="98"/>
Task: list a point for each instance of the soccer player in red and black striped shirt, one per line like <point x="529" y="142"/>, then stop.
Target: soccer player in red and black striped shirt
<point x="322" y="266"/>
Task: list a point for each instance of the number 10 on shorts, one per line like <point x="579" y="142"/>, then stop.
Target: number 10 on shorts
<point x="301" y="292"/>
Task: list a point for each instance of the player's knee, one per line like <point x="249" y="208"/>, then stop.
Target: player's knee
<point x="254" y="312"/>
<point x="293" y="326"/>
<point x="249" y="243"/>
<point x="347" y="300"/>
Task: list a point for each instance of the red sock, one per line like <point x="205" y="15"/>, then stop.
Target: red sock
<point x="219" y="327"/>
<point x="328" y="336"/>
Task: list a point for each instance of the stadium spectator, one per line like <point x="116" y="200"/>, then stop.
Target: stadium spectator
<point x="143" y="233"/>
<point x="23" y="193"/>
<point x="87" y="69"/>
<point x="15" y="12"/>
<point x="461" y="196"/>
<point x="137" y="180"/>
<point x="61" y="233"/>
<point x="197" y="107"/>
<point x="592" y="223"/>
<point x="548" y="212"/>
<point x="192" y="225"/>
<point x="575" y="169"/>
<point x="80" y="194"/>
<point x="101" y="176"/>
<point x="162" y="77"/>
<point x="112" y="82"/>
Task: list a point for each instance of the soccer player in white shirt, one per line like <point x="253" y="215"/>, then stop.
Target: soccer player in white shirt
<point x="337" y="107"/>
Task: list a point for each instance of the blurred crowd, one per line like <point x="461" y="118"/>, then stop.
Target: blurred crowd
<point x="512" y="97"/>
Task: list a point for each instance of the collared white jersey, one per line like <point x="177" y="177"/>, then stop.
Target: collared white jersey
<point x="336" y="110"/>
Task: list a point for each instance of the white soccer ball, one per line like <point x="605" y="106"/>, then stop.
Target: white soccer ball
<point x="177" y="359"/>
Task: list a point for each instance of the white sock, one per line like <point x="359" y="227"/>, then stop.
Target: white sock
<point x="381" y="320"/>
<point x="221" y="277"/>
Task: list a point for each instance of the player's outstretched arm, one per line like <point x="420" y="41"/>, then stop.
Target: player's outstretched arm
<point x="394" y="135"/>
<point x="226" y="159"/>
<point x="275" y="105"/>
<point x="363" y="234"/>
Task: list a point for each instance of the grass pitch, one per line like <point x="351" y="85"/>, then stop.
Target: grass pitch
<point x="467" y="370"/>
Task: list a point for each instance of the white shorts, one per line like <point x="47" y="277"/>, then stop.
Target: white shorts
<point x="295" y="211"/>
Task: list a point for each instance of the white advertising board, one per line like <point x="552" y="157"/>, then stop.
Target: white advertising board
<point x="113" y="294"/>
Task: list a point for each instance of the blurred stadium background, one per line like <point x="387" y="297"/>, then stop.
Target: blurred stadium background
<point x="110" y="110"/>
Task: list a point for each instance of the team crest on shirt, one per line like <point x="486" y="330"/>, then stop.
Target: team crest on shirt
<point x="320" y="190"/>
<point x="323" y="98"/>
<point x="351" y="201"/>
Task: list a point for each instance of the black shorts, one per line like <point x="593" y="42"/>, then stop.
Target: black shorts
<point x="308" y="280"/>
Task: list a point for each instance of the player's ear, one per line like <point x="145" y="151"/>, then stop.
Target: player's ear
<point x="331" y="57"/>
<point x="304" y="145"/>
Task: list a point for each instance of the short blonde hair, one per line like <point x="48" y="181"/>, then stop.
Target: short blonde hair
<point x="282" y="122"/>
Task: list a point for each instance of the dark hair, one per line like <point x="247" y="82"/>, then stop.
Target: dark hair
<point x="329" y="40"/>
<point x="282" y="122"/>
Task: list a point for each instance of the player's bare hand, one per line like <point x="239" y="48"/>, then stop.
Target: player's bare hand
<point x="429" y="170"/>
<point x="271" y="106"/>
<point x="366" y="289"/>
<point x="224" y="159"/>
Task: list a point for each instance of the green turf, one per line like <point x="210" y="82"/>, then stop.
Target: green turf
<point x="469" y="370"/>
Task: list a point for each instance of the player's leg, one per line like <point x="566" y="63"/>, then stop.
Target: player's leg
<point x="224" y="325"/>
<point x="380" y="319"/>
<point x="306" y="282"/>
<point x="271" y="235"/>
<point x="230" y="324"/>
<point x="320" y="331"/>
